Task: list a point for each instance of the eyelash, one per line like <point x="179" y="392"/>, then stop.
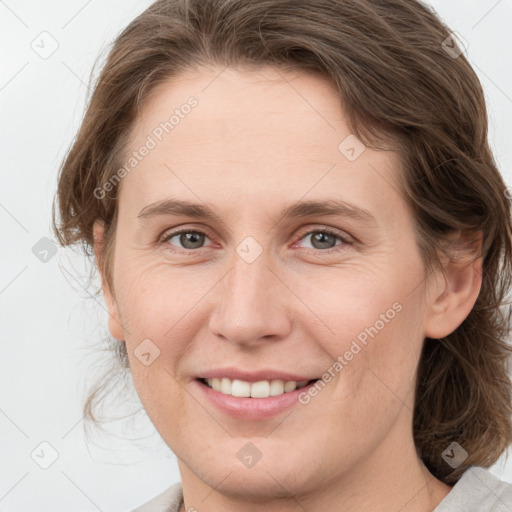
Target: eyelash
<point x="164" y="239"/>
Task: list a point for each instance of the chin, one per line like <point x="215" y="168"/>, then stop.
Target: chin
<point x="258" y="486"/>
<point x="281" y="470"/>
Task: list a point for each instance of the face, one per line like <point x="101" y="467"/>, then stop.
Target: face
<point x="298" y="263"/>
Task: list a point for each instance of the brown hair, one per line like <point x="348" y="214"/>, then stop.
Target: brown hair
<point x="395" y="74"/>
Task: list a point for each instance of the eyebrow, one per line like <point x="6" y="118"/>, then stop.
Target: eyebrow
<point x="298" y="209"/>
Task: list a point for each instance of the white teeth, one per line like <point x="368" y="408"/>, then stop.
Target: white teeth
<point x="276" y="387"/>
<point x="225" y="386"/>
<point x="261" y="389"/>
<point x="240" y="388"/>
<point x="290" y="386"/>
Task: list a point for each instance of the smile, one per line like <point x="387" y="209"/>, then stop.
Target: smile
<point x="260" y="389"/>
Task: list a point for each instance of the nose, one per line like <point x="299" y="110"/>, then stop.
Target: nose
<point x="251" y="304"/>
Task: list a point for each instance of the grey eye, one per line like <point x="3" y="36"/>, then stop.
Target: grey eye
<point x="189" y="239"/>
<point x="321" y="239"/>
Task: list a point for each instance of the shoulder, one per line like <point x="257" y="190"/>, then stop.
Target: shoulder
<point x="478" y="490"/>
<point x="168" y="501"/>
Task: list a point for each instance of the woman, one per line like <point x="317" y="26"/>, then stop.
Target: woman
<point x="304" y="245"/>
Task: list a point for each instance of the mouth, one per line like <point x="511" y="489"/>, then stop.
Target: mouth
<point x="252" y="401"/>
<point x="261" y="389"/>
<point x="252" y="395"/>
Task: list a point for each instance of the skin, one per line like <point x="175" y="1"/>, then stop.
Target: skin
<point x="258" y="140"/>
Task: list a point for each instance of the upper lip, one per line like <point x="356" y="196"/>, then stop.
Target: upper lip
<point x="253" y="376"/>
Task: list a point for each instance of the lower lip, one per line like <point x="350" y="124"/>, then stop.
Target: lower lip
<point x="252" y="408"/>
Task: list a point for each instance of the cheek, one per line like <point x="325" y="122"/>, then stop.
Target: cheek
<point x="370" y="326"/>
<point x="156" y="315"/>
<point x="386" y="372"/>
<point x="157" y="299"/>
<point x="161" y="310"/>
<point x="375" y="386"/>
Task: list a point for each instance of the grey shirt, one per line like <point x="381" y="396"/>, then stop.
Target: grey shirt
<point x="478" y="490"/>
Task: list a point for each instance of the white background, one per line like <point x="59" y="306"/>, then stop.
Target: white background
<point x="49" y="321"/>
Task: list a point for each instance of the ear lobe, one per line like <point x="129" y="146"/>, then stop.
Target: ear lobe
<point x="114" y="318"/>
<point x="462" y="283"/>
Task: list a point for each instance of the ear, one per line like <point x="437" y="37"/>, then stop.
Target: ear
<point x="114" y="318"/>
<point x="454" y="294"/>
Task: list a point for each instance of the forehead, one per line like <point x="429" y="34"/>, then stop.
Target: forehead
<point x="277" y="135"/>
<point x="249" y="105"/>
